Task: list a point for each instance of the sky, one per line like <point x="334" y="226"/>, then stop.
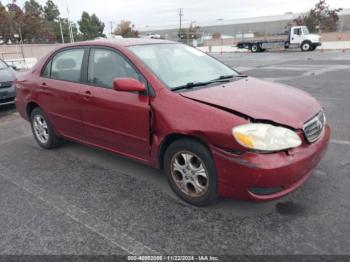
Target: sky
<point x="165" y="12"/>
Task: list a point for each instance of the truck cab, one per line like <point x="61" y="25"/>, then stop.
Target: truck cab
<point x="300" y="36"/>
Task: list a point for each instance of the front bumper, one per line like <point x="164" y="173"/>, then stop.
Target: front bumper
<point x="7" y="96"/>
<point x="261" y="177"/>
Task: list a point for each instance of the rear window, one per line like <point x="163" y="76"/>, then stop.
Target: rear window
<point x="66" y="65"/>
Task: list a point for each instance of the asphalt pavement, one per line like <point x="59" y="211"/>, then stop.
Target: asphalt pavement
<point x="84" y="201"/>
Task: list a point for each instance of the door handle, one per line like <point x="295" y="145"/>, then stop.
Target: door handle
<point x="87" y="95"/>
<point x="43" y="85"/>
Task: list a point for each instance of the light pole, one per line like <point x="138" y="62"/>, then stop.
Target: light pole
<point x="193" y="33"/>
<point x="62" y="38"/>
<point x="221" y="26"/>
<point x="111" y="24"/>
<point x="181" y="14"/>
<point x="71" y="36"/>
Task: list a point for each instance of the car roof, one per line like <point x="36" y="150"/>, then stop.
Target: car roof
<point x="125" y="42"/>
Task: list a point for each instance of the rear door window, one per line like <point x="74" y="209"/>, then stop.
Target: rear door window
<point x="66" y="65"/>
<point x="47" y="71"/>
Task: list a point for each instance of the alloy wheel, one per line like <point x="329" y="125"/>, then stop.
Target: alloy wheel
<point x="189" y="174"/>
<point x="41" y="129"/>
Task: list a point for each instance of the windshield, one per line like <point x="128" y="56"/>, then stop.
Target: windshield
<point x="305" y="30"/>
<point x="177" y="64"/>
<point x="3" y="65"/>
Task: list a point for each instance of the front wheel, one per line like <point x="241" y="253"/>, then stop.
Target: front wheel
<point x="305" y="46"/>
<point x="191" y="172"/>
<point x="42" y="130"/>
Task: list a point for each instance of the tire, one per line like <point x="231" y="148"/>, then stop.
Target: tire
<point x="255" y="48"/>
<point x="199" y="188"/>
<point x="43" y="131"/>
<point x="305" y="46"/>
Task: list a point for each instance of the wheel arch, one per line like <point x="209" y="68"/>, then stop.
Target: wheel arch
<point x="171" y="138"/>
<point x="30" y="107"/>
<point x="304" y="42"/>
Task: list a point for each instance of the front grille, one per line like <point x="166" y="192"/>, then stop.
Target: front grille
<point x="6" y="84"/>
<point x="314" y="127"/>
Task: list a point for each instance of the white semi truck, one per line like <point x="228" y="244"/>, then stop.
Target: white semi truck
<point x="298" y="37"/>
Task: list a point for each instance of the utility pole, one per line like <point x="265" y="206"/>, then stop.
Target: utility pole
<point x="221" y="29"/>
<point x="181" y="14"/>
<point x="111" y="23"/>
<point x="71" y="36"/>
<point x="61" y="30"/>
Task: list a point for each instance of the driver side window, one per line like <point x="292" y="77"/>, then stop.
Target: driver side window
<point x="106" y="65"/>
<point x="297" y="31"/>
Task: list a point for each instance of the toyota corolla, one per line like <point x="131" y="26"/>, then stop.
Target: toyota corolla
<point x="214" y="131"/>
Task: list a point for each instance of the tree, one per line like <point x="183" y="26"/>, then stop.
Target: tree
<point x="33" y="25"/>
<point x="51" y="11"/>
<point x="33" y="8"/>
<point x="125" y="29"/>
<point x="216" y="35"/>
<point x="15" y="20"/>
<point x="51" y="15"/>
<point x="320" y="17"/>
<point x="5" y="29"/>
<point x="90" y="26"/>
<point x="189" y="33"/>
<point x="193" y="31"/>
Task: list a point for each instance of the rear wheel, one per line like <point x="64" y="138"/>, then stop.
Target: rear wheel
<point x="255" y="48"/>
<point x="191" y="172"/>
<point x="43" y="131"/>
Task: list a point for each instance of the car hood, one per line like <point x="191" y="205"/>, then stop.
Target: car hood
<point x="7" y="74"/>
<point x="260" y="100"/>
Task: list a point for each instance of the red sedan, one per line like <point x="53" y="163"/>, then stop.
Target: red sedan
<point x="214" y="131"/>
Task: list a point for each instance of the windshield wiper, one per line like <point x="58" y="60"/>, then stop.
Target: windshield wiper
<point x="223" y="78"/>
<point x="229" y="76"/>
<point x="190" y="85"/>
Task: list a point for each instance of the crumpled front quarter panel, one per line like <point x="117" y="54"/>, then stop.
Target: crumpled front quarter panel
<point x="174" y="114"/>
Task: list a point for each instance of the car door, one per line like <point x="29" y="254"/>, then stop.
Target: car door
<point x="114" y="120"/>
<point x="60" y="91"/>
<point x="297" y="36"/>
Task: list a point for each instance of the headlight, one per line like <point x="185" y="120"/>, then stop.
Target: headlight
<point x="265" y="137"/>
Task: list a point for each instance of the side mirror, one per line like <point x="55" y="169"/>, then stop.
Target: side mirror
<point x="13" y="67"/>
<point x="128" y="85"/>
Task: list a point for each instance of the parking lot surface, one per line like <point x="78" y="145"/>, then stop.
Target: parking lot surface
<point x="80" y="200"/>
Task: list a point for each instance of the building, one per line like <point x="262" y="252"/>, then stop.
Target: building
<point x="266" y="25"/>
